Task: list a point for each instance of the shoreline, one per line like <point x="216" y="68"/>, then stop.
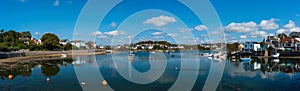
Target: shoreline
<point x="50" y="55"/>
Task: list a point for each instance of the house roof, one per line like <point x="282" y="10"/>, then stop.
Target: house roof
<point x="288" y="39"/>
<point x="64" y="40"/>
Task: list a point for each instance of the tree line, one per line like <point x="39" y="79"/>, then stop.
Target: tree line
<point x="14" y="41"/>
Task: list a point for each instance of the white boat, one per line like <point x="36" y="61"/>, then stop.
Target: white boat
<point x="276" y="55"/>
<point x="108" y="51"/>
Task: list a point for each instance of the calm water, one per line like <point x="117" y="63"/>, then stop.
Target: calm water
<point x="260" y="74"/>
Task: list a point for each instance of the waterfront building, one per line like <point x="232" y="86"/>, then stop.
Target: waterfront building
<point x="289" y="44"/>
<point x="251" y="47"/>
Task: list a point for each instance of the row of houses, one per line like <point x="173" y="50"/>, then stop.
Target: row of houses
<point x="281" y="42"/>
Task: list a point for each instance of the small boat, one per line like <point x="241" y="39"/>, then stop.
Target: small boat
<point x="245" y="59"/>
<point x="108" y="51"/>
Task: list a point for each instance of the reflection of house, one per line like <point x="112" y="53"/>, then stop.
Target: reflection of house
<point x="78" y="43"/>
<point x="251" y="46"/>
<point x="64" y="41"/>
<point x="289" y="44"/>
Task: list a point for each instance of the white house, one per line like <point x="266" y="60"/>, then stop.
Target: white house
<point x="251" y="46"/>
<point x="78" y="43"/>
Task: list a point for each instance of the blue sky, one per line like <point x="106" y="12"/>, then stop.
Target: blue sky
<point x="242" y="20"/>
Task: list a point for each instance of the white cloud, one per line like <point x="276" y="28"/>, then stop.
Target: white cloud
<point x="243" y="37"/>
<point x="23" y="1"/>
<point x="115" y="33"/>
<point x="290" y="25"/>
<point x="258" y="34"/>
<point x="172" y="35"/>
<point x="269" y="24"/>
<point x="56" y="3"/>
<point x="241" y="27"/>
<point x="96" y="33"/>
<point x="157" y="33"/>
<point x="102" y="36"/>
<point x="288" y="31"/>
<point x="37" y="33"/>
<point x="113" y="24"/>
<point x="160" y="21"/>
<point x="184" y="30"/>
<point x="201" y="27"/>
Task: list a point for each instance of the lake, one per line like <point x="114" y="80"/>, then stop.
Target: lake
<point x="62" y="75"/>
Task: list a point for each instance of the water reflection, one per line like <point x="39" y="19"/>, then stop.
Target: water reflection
<point x="259" y="74"/>
<point x="49" y="68"/>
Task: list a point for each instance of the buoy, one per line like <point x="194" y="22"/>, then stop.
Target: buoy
<point x="176" y="68"/>
<point x="104" y="83"/>
<point x="47" y="79"/>
<point x="10" y="77"/>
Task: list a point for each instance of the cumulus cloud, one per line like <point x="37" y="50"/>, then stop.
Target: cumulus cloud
<point x="241" y="27"/>
<point x="96" y="33"/>
<point x="157" y="33"/>
<point x="115" y="33"/>
<point x="269" y="24"/>
<point x="288" y="28"/>
<point x="56" y="3"/>
<point x="200" y="27"/>
<point x="258" y="34"/>
<point x="113" y="24"/>
<point x="160" y="21"/>
<point x="290" y="25"/>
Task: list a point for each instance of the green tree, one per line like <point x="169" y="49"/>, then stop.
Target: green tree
<point x="50" y="41"/>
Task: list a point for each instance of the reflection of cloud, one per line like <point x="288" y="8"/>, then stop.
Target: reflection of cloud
<point x="160" y="21"/>
<point x="243" y="36"/>
<point x="113" y="24"/>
